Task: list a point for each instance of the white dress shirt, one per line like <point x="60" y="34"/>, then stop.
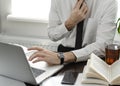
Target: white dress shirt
<point x="99" y="25"/>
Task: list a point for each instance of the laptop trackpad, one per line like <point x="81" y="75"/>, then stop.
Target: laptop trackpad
<point x="37" y="72"/>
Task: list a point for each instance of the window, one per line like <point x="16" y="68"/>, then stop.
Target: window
<point x="30" y="9"/>
<point x="118" y="15"/>
<point x="33" y="10"/>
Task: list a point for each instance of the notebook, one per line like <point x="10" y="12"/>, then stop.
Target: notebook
<point x="14" y="64"/>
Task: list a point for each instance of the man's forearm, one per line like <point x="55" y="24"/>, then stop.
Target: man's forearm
<point x="69" y="57"/>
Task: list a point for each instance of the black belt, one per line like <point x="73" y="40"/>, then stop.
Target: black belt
<point x="61" y="48"/>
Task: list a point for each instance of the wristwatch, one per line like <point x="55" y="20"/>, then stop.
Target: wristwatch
<point x="61" y="57"/>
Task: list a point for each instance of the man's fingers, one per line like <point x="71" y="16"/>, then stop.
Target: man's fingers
<point x="85" y="8"/>
<point x="76" y="4"/>
<point x="36" y="48"/>
<point x="79" y="4"/>
<point x="38" y="60"/>
<point x="35" y="55"/>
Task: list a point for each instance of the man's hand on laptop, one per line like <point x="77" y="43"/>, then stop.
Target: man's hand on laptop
<point x="48" y="56"/>
<point x="43" y="55"/>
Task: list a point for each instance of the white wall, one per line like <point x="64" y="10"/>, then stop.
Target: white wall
<point x="0" y="19"/>
<point x="35" y="29"/>
<point x="0" y="23"/>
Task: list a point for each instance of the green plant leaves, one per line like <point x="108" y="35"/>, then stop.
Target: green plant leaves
<point x="119" y="29"/>
<point x="118" y="24"/>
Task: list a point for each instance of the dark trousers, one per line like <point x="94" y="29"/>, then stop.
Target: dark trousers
<point x="61" y="48"/>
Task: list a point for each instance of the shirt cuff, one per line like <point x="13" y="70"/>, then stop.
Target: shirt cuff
<point x="63" y="29"/>
<point x="80" y="55"/>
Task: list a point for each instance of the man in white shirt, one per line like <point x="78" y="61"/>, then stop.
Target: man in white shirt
<point x="99" y="26"/>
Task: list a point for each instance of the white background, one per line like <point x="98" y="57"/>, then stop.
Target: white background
<point x="24" y="28"/>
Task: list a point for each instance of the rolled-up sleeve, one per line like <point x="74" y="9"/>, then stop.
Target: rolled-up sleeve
<point x="56" y="27"/>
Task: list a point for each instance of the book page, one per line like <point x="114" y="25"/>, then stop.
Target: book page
<point x="86" y="80"/>
<point x="89" y="72"/>
<point x="115" y="70"/>
<point x="92" y="80"/>
<point x="116" y="81"/>
<point x="99" y="66"/>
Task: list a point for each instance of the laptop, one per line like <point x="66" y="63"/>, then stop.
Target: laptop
<point x="14" y="64"/>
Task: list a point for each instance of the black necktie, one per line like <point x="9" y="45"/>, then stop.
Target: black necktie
<point x="78" y="43"/>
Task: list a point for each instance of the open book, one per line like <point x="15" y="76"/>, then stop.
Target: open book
<point x="99" y="72"/>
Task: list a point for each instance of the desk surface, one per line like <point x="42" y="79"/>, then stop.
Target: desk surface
<point x="76" y="67"/>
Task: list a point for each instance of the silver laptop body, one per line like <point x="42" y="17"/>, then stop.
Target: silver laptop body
<point x="14" y="64"/>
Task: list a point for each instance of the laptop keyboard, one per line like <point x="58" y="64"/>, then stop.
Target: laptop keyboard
<point x="37" y="72"/>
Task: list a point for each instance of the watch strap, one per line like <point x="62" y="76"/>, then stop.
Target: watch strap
<point x="61" y="57"/>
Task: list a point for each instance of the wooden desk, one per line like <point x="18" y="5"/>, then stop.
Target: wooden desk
<point x="76" y="67"/>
